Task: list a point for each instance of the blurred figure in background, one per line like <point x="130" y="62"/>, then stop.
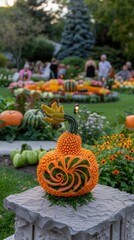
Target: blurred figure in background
<point x="46" y="70"/>
<point x="54" y="68"/>
<point x="124" y="73"/>
<point x="129" y="66"/>
<point x="90" y="68"/>
<point x="61" y="70"/>
<point x="104" y="69"/>
<point x="39" y="67"/>
<point x="25" y="73"/>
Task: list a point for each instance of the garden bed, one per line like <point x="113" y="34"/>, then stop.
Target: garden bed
<point x="6" y="161"/>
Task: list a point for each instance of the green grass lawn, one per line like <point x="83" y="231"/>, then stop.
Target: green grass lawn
<point x="125" y="102"/>
<point x="11" y="181"/>
<point x="109" y="110"/>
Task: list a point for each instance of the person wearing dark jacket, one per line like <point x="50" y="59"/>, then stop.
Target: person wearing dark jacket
<point x="54" y="69"/>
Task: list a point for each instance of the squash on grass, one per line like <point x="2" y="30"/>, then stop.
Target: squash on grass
<point x="69" y="170"/>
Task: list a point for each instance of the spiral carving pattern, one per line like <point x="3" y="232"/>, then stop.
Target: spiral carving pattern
<point x="67" y="175"/>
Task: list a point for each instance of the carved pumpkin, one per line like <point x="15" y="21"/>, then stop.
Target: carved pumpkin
<point x="130" y="122"/>
<point x="11" y="118"/>
<point x="69" y="170"/>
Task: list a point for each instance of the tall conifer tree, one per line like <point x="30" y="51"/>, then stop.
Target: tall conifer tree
<point x="77" y="38"/>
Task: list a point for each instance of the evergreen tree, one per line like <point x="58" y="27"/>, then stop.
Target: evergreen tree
<point x="77" y="39"/>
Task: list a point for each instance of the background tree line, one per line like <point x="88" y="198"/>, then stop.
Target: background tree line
<point x="26" y="28"/>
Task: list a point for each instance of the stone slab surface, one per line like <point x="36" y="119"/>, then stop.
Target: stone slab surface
<point x="110" y="205"/>
<point x="6" y="147"/>
<point x="10" y="238"/>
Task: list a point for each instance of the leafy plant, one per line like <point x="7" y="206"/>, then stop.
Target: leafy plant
<point x="74" y="202"/>
<point x="7" y="103"/>
<point x="91" y="126"/>
<point x="44" y="132"/>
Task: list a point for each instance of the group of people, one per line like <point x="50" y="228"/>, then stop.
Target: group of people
<point x="48" y="70"/>
<point x="106" y="70"/>
<point x="54" y="70"/>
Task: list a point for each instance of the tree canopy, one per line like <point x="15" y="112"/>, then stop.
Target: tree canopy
<point x="114" y="23"/>
<point x="16" y="29"/>
<point x="77" y="38"/>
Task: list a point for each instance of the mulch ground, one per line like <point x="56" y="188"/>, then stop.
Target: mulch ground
<point x="5" y="160"/>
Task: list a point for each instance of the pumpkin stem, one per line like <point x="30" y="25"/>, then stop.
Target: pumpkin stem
<point x="73" y="124"/>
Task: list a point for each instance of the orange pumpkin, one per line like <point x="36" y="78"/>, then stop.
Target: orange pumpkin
<point x="11" y="118"/>
<point x="130" y="122"/>
<point x="69" y="170"/>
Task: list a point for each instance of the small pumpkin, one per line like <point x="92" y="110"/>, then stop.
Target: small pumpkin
<point x="70" y="86"/>
<point x="33" y="117"/>
<point x="69" y="170"/>
<point x="11" y="118"/>
<point x="130" y="122"/>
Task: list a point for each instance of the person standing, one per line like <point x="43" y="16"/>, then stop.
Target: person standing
<point x="54" y="69"/>
<point x="105" y="68"/>
<point x="90" y="68"/>
<point x="25" y="73"/>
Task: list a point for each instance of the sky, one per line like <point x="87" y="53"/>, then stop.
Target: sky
<point x="11" y="2"/>
<point x="6" y="2"/>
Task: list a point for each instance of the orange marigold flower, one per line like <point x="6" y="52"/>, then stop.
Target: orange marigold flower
<point x="103" y="161"/>
<point x="116" y="171"/>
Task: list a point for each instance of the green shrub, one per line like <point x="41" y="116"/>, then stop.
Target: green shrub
<point x="75" y="65"/>
<point x="73" y="61"/>
<point x="3" y="60"/>
<point x="39" y="49"/>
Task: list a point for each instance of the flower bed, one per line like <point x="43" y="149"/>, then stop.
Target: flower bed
<point x="125" y="87"/>
<point x="115" y="155"/>
<point x="68" y="90"/>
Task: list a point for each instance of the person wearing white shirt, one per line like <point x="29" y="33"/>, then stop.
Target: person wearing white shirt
<point x="104" y="68"/>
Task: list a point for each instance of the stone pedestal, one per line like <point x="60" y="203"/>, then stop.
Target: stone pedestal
<point x="109" y="217"/>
